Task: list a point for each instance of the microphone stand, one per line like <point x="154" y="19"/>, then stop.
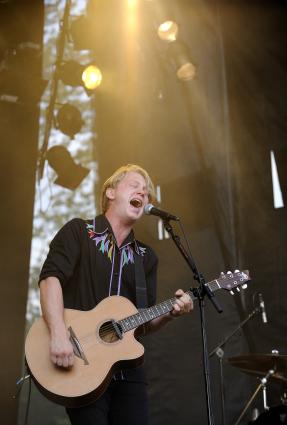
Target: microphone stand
<point x="220" y="354"/>
<point x="200" y="292"/>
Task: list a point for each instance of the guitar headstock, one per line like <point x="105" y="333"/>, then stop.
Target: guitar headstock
<point x="230" y="281"/>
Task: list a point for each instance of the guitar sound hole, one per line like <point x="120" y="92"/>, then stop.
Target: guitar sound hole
<point x="108" y="332"/>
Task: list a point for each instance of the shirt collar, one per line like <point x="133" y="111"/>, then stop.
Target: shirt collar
<point x="101" y="225"/>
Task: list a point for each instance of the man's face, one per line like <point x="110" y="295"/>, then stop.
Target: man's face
<point x="130" y="196"/>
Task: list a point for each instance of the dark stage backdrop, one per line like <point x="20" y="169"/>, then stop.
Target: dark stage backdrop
<point x="207" y="145"/>
<point x="256" y="74"/>
<point x="19" y="24"/>
<point x="181" y="134"/>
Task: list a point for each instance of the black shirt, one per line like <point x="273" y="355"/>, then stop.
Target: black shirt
<point x="84" y="256"/>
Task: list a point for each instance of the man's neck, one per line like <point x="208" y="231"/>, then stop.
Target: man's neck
<point x="121" y="230"/>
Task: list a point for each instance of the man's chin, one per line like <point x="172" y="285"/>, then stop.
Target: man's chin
<point x="135" y="214"/>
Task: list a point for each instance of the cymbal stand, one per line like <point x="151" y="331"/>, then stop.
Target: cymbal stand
<point x="262" y="386"/>
<point x="218" y="350"/>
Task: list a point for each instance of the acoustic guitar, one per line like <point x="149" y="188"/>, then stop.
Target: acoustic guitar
<point x="103" y="341"/>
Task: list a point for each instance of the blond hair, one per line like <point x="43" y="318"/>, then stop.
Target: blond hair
<point x="118" y="175"/>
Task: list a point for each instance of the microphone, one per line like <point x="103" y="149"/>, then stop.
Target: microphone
<point x="262" y="308"/>
<point x="150" y="209"/>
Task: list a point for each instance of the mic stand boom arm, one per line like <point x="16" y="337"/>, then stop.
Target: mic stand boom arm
<point x="200" y="292"/>
<point x="220" y="354"/>
<point x="240" y="326"/>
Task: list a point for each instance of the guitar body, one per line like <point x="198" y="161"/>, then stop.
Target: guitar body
<point x="102" y="352"/>
<point x="103" y="342"/>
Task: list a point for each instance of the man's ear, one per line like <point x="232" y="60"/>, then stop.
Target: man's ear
<point x="110" y="193"/>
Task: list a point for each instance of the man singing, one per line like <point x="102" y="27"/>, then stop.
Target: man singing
<point x="94" y="259"/>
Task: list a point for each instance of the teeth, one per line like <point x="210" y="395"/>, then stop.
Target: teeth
<point x="136" y="203"/>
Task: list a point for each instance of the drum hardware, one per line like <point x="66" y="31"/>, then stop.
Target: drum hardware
<point x="219" y="352"/>
<point x="263" y="366"/>
<point x="284" y="398"/>
<point x="275" y="415"/>
<point x="259" y="364"/>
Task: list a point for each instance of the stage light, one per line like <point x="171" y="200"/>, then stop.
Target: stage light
<point x="186" y="72"/>
<point x="69" y="120"/>
<point x="92" y="77"/>
<point x="71" y="73"/>
<point x="74" y="74"/>
<point x="20" y="72"/>
<point x="69" y="174"/>
<point x="83" y="33"/>
<point x="180" y="58"/>
<point x="168" y="31"/>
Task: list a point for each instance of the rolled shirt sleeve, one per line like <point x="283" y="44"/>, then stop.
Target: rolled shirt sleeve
<point x="64" y="252"/>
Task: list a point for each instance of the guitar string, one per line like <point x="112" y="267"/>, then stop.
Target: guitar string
<point x="135" y="317"/>
<point x="151" y="313"/>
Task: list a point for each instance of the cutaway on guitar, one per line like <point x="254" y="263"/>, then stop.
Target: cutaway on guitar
<point x="103" y="341"/>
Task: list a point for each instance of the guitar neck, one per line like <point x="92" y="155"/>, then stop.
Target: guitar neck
<point x="145" y="315"/>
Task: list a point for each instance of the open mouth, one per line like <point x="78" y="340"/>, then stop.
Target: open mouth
<point x="137" y="203"/>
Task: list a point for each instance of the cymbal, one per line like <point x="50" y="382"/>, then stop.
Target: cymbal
<point x="260" y="364"/>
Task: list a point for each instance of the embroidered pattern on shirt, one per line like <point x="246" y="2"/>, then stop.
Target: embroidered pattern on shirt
<point x="106" y="245"/>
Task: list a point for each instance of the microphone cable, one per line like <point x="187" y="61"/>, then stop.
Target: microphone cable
<point x="21" y="383"/>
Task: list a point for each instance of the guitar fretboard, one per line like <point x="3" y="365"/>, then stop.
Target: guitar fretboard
<point x="147" y="314"/>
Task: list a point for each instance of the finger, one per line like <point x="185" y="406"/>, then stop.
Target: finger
<point x="179" y="293"/>
<point x="176" y="307"/>
<point x="54" y="359"/>
<point x="65" y="362"/>
<point x="186" y="297"/>
<point x="180" y="303"/>
<point x="187" y="304"/>
<point x="59" y="361"/>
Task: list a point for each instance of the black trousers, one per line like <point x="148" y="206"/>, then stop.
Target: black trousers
<point x="124" y="403"/>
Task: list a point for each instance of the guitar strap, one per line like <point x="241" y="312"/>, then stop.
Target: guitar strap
<point x="141" y="290"/>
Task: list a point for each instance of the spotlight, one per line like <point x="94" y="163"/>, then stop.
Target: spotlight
<point x="92" y="77"/>
<point x="179" y="56"/>
<point x="69" y="120"/>
<point x="186" y="72"/>
<point x="69" y="174"/>
<point x="74" y="74"/>
<point x="20" y="72"/>
<point x="82" y="31"/>
<point x="168" y="31"/>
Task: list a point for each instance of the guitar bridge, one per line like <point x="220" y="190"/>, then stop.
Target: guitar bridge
<point x="78" y="351"/>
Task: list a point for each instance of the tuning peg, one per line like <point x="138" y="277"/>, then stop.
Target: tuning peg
<point x="238" y="289"/>
<point x="222" y="274"/>
<point x="236" y="271"/>
<point x="231" y="292"/>
<point x="244" y="286"/>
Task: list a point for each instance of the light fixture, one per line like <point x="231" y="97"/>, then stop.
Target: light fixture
<point x="92" y="77"/>
<point x="20" y="72"/>
<point x="69" y="120"/>
<point x="180" y="59"/>
<point x="75" y="74"/>
<point x="82" y="31"/>
<point x="69" y="174"/>
<point x="168" y="31"/>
